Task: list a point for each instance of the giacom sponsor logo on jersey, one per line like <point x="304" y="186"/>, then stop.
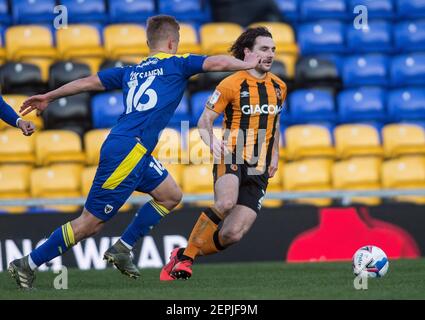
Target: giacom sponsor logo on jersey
<point x="263" y="109"/>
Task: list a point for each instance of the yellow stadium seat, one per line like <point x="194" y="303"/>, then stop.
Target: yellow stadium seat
<point x="14" y="184"/>
<point x="308" y="175"/>
<point x="176" y="171"/>
<point x="304" y="141"/>
<point x="15" y="147"/>
<point x="169" y="147"/>
<point x="58" y="181"/>
<point x="198" y="179"/>
<point x="80" y="42"/>
<point x="405" y="173"/>
<point x="123" y="41"/>
<point x="289" y="60"/>
<point x="16" y="101"/>
<point x="188" y="40"/>
<point x="358" y="174"/>
<point x="2" y="52"/>
<point x="199" y="152"/>
<point x="217" y="38"/>
<point x="283" y="36"/>
<point x="93" y="141"/>
<point x="275" y="185"/>
<point x="54" y="146"/>
<point x="403" y="139"/>
<point x="357" y="140"/>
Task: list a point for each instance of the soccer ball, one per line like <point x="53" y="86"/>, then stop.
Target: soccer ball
<point x="370" y="261"/>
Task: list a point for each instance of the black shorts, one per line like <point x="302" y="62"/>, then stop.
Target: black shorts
<point x="252" y="187"/>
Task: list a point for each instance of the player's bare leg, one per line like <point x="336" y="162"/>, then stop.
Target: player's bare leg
<point x="165" y="198"/>
<point x="236" y="224"/>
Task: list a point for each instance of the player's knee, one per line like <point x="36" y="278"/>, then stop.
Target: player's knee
<point x="173" y="199"/>
<point x="231" y="236"/>
<point x="224" y="205"/>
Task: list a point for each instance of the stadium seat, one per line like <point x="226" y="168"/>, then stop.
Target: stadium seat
<point x="308" y="175"/>
<point x="16" y="148"/>
<point x="88" y="11"/>
<point x="322" y="9"/>
<point x="377" y="37"/>
<point x="106" y="109"/>
<point x="405" y="173"/>
<point x="58" y="181"/>
<point x="14" y="184"/>
<point x="69" y="111"/>
<point x="21" y="78"/>
<point x="33" y="11"/>
<point x="202" y="184"/>
<point x="304" y="141"/>
<point x="63" y="72"/>
<point x="403" y="139"/>
<point x="311" y="71"/>
<point x="187" y="10"/>
<point x="16" y="101"/>
<point x="176" y="171"/>
<point x="130" y="10"/>
<point x="407" y="104"/>
<point x="169" y="147"/>
<point x="357" y="140"/>
<point x="93" y="141"/>
<point x="358" y="174"/>
<point x="311" y="105"/>
<point x="125" y="41"/>
<point x="279" y="69"/>
<point x="376" y="9"/>
<point x="82" y="43"/>
<point x="283" y="36"/>
<point x="288" y="9"/>
<point x="321" y="37"/>
<point x="275" y="184"/>
<point x="5" y="18"/>
<point x="408" y="70"/>
<point x="365" y="70"/>
<point x="216" y="38"/>
<point x="198" y="101"/>
<point x="54" y="146"/>
<point x="199" y="152"/>
<point x="410" y="9"/>
<point x="107" y="64"/>
<point x="362" y="104"/>
<point x="289" y="61"/>
<point x="188" y="40"/>
<point x="409" y="36"/>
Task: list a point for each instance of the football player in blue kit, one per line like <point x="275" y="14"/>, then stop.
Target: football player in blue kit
<point x="152" y="90"/>
<point x="8" y="115"/>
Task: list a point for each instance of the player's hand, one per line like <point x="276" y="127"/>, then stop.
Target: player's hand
<point x="273" y="165"/>
<point x="27" y="127"/>
<point x="252" y="59"/>
<point x="38" y="102"/>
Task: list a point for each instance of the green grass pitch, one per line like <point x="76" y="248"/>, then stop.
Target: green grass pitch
<point x="405" y="280"/>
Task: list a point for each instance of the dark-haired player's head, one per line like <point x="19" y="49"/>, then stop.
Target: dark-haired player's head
<point x="163" y="33"/>
<point x="258" y="40"/>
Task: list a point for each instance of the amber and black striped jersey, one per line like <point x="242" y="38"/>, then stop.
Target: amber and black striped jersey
<point x="251" y="109"/>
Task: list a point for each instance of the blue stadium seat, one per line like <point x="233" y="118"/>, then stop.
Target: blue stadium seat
<point x="410" y="36"/>
<point x="363" y="104"/>
<point x="408" y="70"/>
<point x="288" y="9"/>
<point x="376" y="38"/>
<point x="181" y="114"/>
<point x="321" y="37"/>
<point x="197" y="102"/>
<point x="407" y="104"/>
<point x="90" y="11"/>
<point x="365" y="70"/>
<point x="410" y="9"/>
<point x="106" y="109"/>
<point x="33" y="11"/>
<point x="185" y="10"/>
<point x="5" y="17"/>
<point x="311" y="106"/>
<point x="131" y="10"/>
<point x="375" y="8"/>
<point x="322" y="9"/>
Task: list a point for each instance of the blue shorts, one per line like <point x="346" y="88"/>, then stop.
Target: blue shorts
<point x="124" y="166"/>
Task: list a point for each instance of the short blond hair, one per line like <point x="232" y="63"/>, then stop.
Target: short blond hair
<point x="160" y="27"/>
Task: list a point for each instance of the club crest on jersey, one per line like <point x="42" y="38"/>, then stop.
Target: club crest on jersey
<point x="108" y="209"/>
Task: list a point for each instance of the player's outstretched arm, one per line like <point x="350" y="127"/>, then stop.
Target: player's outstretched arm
<point x="205" y="127"/>
<point x="229" y="63"/>
<point x="41" y="101"/>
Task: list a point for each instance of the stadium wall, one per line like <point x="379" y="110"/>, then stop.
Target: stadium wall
<point x="276" y="235"/>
